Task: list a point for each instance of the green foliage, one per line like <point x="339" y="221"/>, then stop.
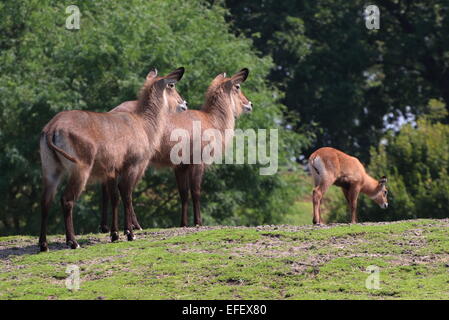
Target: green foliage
<point x="47" y="68"/>
<point x="416" y="162"/>
<point x="342" y="78"/>
<point x="347" y="82"/>
<point x="314" y="59"/>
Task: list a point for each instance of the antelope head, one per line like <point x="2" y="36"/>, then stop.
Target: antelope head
<point x="165" y="86"/>
<point x="230" y="87"/>
<point x="381" y="196"/>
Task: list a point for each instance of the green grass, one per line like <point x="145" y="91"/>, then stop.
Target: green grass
<point x="300" y="214"/>
<point x="268" y="262"/>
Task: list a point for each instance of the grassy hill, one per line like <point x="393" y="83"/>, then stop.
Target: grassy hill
<point x="266" y="262"/>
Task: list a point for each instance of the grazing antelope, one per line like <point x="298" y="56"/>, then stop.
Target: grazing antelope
<point x="127" y="106"/>
<point x="224" y="102"/>
<point x="111" y="147"/>
<point x="330" y="166"/>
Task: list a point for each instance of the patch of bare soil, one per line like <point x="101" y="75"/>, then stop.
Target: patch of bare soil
<point x="413" y="260"/>
<point x="174" y="232"/>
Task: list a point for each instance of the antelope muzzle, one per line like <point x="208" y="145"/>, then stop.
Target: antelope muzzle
<point x="247" y="108"/>
<point x="182" y="106"/>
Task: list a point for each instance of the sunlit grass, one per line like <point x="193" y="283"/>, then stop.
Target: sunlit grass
<point x="284" y="262"/>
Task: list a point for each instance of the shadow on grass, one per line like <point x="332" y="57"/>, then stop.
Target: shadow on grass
<point x="27" y="249"/>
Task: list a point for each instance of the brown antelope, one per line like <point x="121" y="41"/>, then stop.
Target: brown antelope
<point x="111" y="147"/>
<point x="330" y="166"/>
<point x="127" y="106"/>
<point x="224" y="102"/>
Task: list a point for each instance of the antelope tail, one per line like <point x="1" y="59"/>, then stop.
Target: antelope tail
<point x="51" y="145"/>
<point x="316" y="169"/>
<point x="312" y="164"/>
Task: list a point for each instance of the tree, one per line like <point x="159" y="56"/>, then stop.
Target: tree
<point x="47" y="68"/>
<point x="344" y="80"/>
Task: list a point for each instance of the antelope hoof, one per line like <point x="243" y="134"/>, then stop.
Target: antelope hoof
<point x="73" y="244"/>
<point x="43" y="247"/>
<point x="130" y="235"/>
<point x="104" y="229"/>
<point x="137" y="227"/>
<point x="114" y="236"/>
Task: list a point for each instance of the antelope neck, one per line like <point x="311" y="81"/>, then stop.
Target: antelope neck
<point x="370" y="186"/>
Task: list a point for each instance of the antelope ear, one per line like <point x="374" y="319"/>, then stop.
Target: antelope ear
<point x="152" y="74"/>
<point x="176" y="75"/>
<point x="217" y="80"/>
<point x="240" y="76"/>
<point x="383" y="181"/>
<point x="220" y="76"/>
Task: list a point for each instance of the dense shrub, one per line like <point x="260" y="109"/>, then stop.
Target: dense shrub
<point x="416" y="162"/>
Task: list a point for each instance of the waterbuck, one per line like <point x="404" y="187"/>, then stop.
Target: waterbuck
<point x="330" y="166"/>
<point x="224" y="102"/>
<point x="127" y="106"/>
<point x="114" y="148"/>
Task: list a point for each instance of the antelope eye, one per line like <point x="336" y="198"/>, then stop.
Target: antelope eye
<point x="171" y="85"/>
<point x="385" y="192"/>
<point x="237" y="86"/>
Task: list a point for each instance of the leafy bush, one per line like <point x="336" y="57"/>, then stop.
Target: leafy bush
<point x="416" y="162"/>
<point x="47" y="68"/>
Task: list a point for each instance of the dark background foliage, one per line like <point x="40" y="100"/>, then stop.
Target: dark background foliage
<point x="345" y="78"/>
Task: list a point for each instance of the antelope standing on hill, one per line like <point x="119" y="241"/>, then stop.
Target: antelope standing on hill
<point x="330" y="166"/>
<point x="127" y="106"/>
<point x="104" y="147"/>
<point x="224" y="102"/>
